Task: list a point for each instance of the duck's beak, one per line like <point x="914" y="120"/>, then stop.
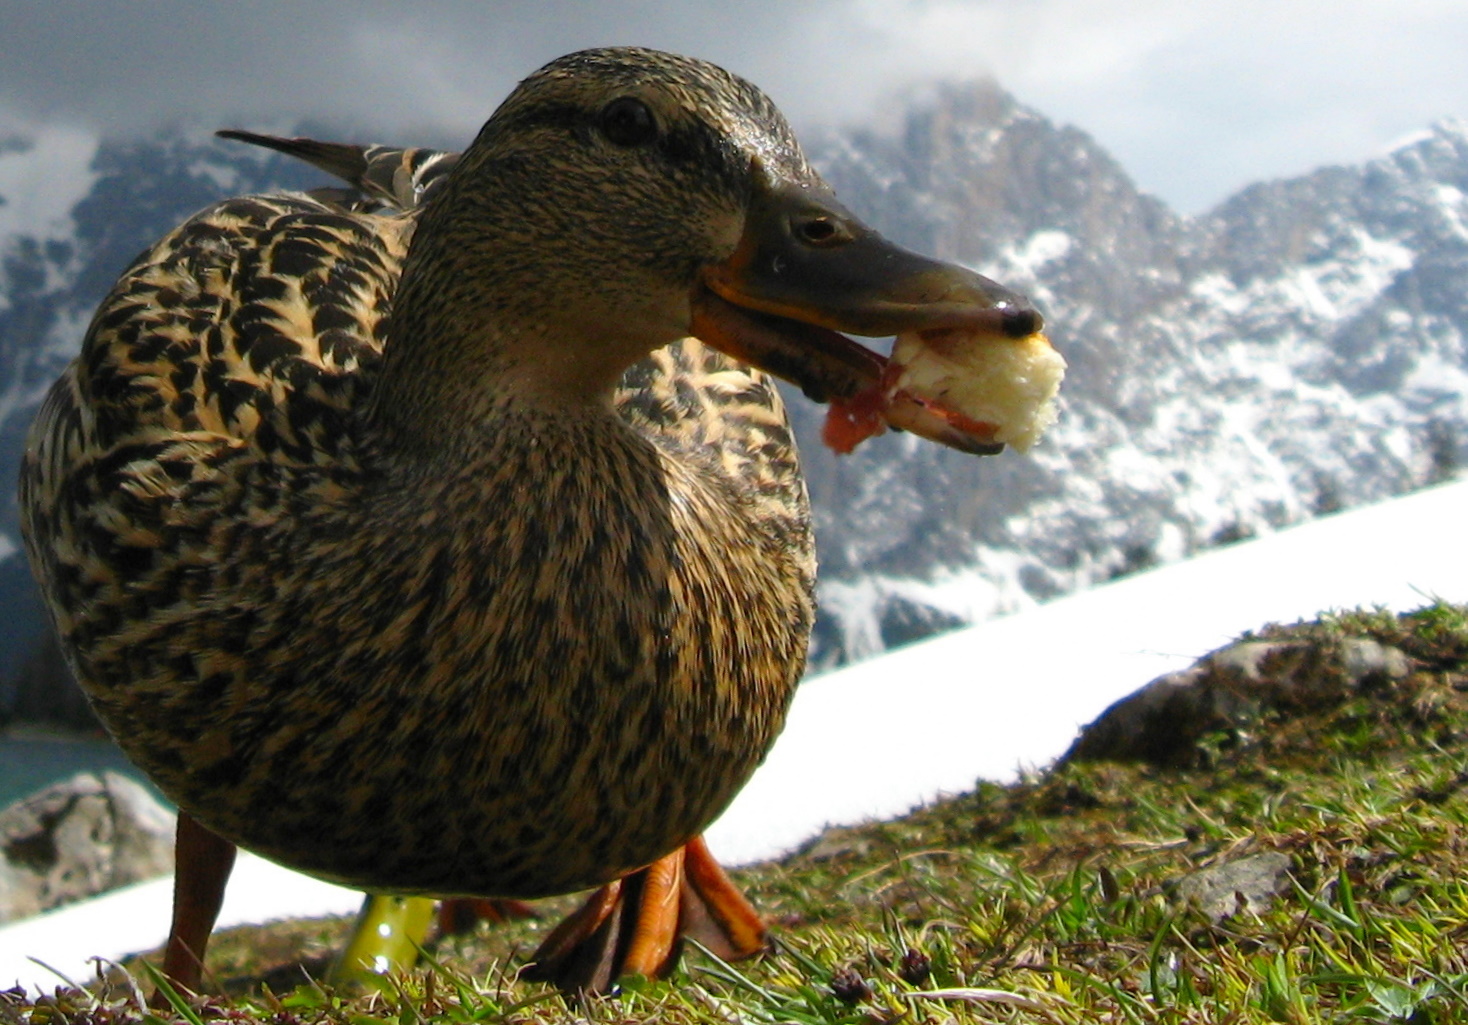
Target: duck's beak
<point x="807" y="272"/>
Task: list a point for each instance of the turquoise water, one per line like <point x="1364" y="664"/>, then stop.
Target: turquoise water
<point x="29" y="763"/>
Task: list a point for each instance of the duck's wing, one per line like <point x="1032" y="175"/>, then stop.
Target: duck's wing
<point x="392" y="176"/>
<point x="241" y="336"/>
<point x="254" y="307"/>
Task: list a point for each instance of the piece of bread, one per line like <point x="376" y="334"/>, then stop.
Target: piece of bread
<point x="1009" y="383"/>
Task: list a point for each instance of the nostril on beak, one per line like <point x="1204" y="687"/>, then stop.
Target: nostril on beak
<point x="1022" y="321"/>
<point x="821" y="231"/>
<point x="817" y="230"/>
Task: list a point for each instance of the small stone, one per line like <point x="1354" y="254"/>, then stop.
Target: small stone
<point x="1245" y="884"/>
<point x="1368" y="662"/>
<point x="1245" y="660"/>
<point x="1161" y="723"/>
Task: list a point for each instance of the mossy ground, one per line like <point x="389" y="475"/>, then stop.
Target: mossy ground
<point x="1051" y="900"/>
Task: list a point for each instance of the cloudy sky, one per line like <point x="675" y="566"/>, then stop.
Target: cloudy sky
<point x="1195" y="99"/>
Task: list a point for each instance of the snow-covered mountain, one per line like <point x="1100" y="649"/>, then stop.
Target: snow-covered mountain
<point x="1297" y="350"/>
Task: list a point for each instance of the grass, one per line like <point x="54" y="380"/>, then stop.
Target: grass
<point x="1058" y="899"/>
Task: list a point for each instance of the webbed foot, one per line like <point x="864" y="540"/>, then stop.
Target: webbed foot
<point x="635" y="926"/>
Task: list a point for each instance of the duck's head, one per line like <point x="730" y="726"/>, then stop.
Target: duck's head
<point x="621" y="199"/>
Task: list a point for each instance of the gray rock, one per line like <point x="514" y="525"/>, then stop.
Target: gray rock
<point x="1160" y="723"/>
<point x="836" y="842"/>
<point x="76" y="839"/>
<point x="1229" y="690"/>
<point x="1244" y="884"/>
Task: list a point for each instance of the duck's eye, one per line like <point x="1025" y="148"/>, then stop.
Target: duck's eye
<point x="626" y="121"/>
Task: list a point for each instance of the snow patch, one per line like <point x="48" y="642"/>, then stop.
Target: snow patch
<point x="42" y="180"/>
<point x="1338" y="288"/>
<point x="64" y="337"/>
<point x="1452" y="203"/>
<point x="1027" y="258"/>
<point x="1041" y="248"/>
<point x="1408" y="140"/>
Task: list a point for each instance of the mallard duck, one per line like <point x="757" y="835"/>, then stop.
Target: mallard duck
<point x="445" y="536"/>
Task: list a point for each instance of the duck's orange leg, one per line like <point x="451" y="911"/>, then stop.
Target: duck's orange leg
<point x="202" y="863"/>
<point x="635" y="925"/>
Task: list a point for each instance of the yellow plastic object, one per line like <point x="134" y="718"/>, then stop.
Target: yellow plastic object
<point x="389" y="934"/>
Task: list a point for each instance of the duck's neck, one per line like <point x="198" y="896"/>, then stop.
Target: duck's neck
<point x="454" y="368"/>
<point x="499" y="309"/>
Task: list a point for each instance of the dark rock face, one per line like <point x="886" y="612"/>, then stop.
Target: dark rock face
<point x="74" y="840"/>
<point x="46" y="694"/>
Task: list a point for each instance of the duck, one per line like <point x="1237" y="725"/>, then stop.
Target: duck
<point x="444" y="534"/>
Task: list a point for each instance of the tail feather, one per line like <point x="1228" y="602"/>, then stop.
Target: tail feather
<point x="348" y="163"/>
<point x="399" y="177"/>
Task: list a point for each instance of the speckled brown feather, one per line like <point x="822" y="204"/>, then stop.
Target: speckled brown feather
<point x="375" y="616"/>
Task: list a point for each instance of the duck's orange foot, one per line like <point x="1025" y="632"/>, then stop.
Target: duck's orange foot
<point x="636" y="925"/>
<point x="459" y="915"/>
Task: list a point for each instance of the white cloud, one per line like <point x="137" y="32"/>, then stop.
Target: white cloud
<point x="1195" y="100"/>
